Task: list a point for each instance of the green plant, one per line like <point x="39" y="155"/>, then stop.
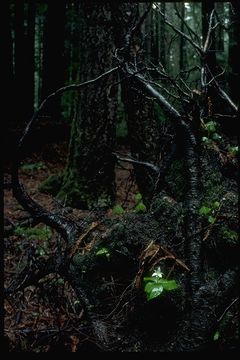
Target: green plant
<point x="211" y="134"/>
<point x="33" y="167"/>
<point x="156" y="284"/>
<point x="231" y="236"/>
<point x="140" y="207"/>
<point x="43" y="233"/>
<point x="233" y="150"/>
<point x="216" y="336"/>
<point x="210" y="211"/>
<point x="118" y="210"/>
<point x="103" y="252"/>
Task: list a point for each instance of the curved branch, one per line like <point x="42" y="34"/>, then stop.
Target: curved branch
<point x="66" y="227"/>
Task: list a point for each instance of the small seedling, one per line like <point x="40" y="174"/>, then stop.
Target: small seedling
<point x="118" y="210"/>
<point x="156" y="284"/>
<point x="210" y="211"/>
<point x="103" y="252"/>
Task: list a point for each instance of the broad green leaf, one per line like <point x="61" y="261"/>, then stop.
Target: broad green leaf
<point x="103" y="252"/>
<point x="211" y="219"/>
<point x="211" y="126"/>
<point x="138" y="197"/>
<point x="149" y="278"/>
<point x="216" y="136"/>
<point x="118" y="210"/>
<point x="140" y="208"/>
<point x="206" y="140"/>
<point x="216" y="205"/>
<point x="168" y="284"/>
<point x="154" y="291"/>
<point x="216" y="336"/>
<point x="204" y="210"/>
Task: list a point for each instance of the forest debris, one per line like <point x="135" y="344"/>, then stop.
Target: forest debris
<point x="77" y="244"/>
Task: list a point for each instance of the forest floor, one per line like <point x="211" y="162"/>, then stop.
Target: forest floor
<point x="32" y="322"/>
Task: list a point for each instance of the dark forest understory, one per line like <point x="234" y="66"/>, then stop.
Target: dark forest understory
<point x="121" y="191"/>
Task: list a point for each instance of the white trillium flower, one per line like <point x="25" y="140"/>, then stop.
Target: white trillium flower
<point x="158" y="273"/>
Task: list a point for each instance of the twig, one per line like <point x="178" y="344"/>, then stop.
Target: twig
<point x="190" y="30"/>
<point x="144" y="163"/>
<point x="226" y="310"/>
<point x="193" y="43"/>
<point x="210" y="29"/>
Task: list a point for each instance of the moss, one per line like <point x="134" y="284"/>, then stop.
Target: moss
<point x="82" y="194"/>
<point x="52" y="184"/>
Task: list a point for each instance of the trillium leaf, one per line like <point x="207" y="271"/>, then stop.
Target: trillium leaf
<point x="168" y="284"/>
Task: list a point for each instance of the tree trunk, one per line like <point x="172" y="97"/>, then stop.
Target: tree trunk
<point x="234" y="48"/>
<point x="24" y="28"/>
<point x="30" y="42"/>
<point x="7" y="66"/>
<point x="182" y="50"/>
<point x="142" y="122"/>
<point x="53" y="74"/>
<point x="162" y="36"/>
<point x="89" y="176"/>
<point x="210" y="59"/>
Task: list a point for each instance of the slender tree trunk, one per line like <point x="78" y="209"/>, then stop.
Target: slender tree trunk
<point x="20" y="62"/>
<point x="7" y="66"/>
<point x="30" y="60"/>
<point x="142" y="122"/>
<point x="53" y="74"/>
<point x="24" y="29"/>
<point x="182" y="52"/>
<point x="210" y="60"/>
<point x="234" y="48"/>
<point x="89" y="176"/>
<point x="162" y="44"/>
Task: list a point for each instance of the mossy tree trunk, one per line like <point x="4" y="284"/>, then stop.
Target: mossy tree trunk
<point x="89" y="179"/>
<point x="143" y="127"/>
<point x="53" y="66"/>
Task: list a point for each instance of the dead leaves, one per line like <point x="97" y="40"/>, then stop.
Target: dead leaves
<point x="151" y="256"/>
<point x="78" y="243"/>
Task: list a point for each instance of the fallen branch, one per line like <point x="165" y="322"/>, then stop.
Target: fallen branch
<point x="134" y="161"/>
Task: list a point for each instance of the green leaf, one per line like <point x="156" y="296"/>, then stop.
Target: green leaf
<point x="204" y="210"/>
<point x="138" y="197"/>
<point x="168" y="284"/>
<point x="216" y="205"/>
<point x="211" y="126"/>
<point x="118" y="210"/>
<point x="206" y="140"/>
<point x="233" y="150"/>
<point x="103" y="252"/>
<point x="140" y="208"/>
<point x="216" y="136"/>
<point x="216" y="336"/>
<point x="211" y="219"/>
<point x="153" y="290"/>
<point x="150" y="278"/>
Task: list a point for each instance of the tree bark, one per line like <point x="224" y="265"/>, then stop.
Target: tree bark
<point x="53" y="74"/>
<point x="89" y="176"/>
<point x="143" y="127"/>
<point x="234" y="48"/>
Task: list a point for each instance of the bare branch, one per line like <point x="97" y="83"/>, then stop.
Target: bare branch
<point x="134" y="161"/>
<point x="190" y="30"/>
<point x="179" y="32"/>
<point x="210" y="29"/>
<point x="224" y="95"/>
